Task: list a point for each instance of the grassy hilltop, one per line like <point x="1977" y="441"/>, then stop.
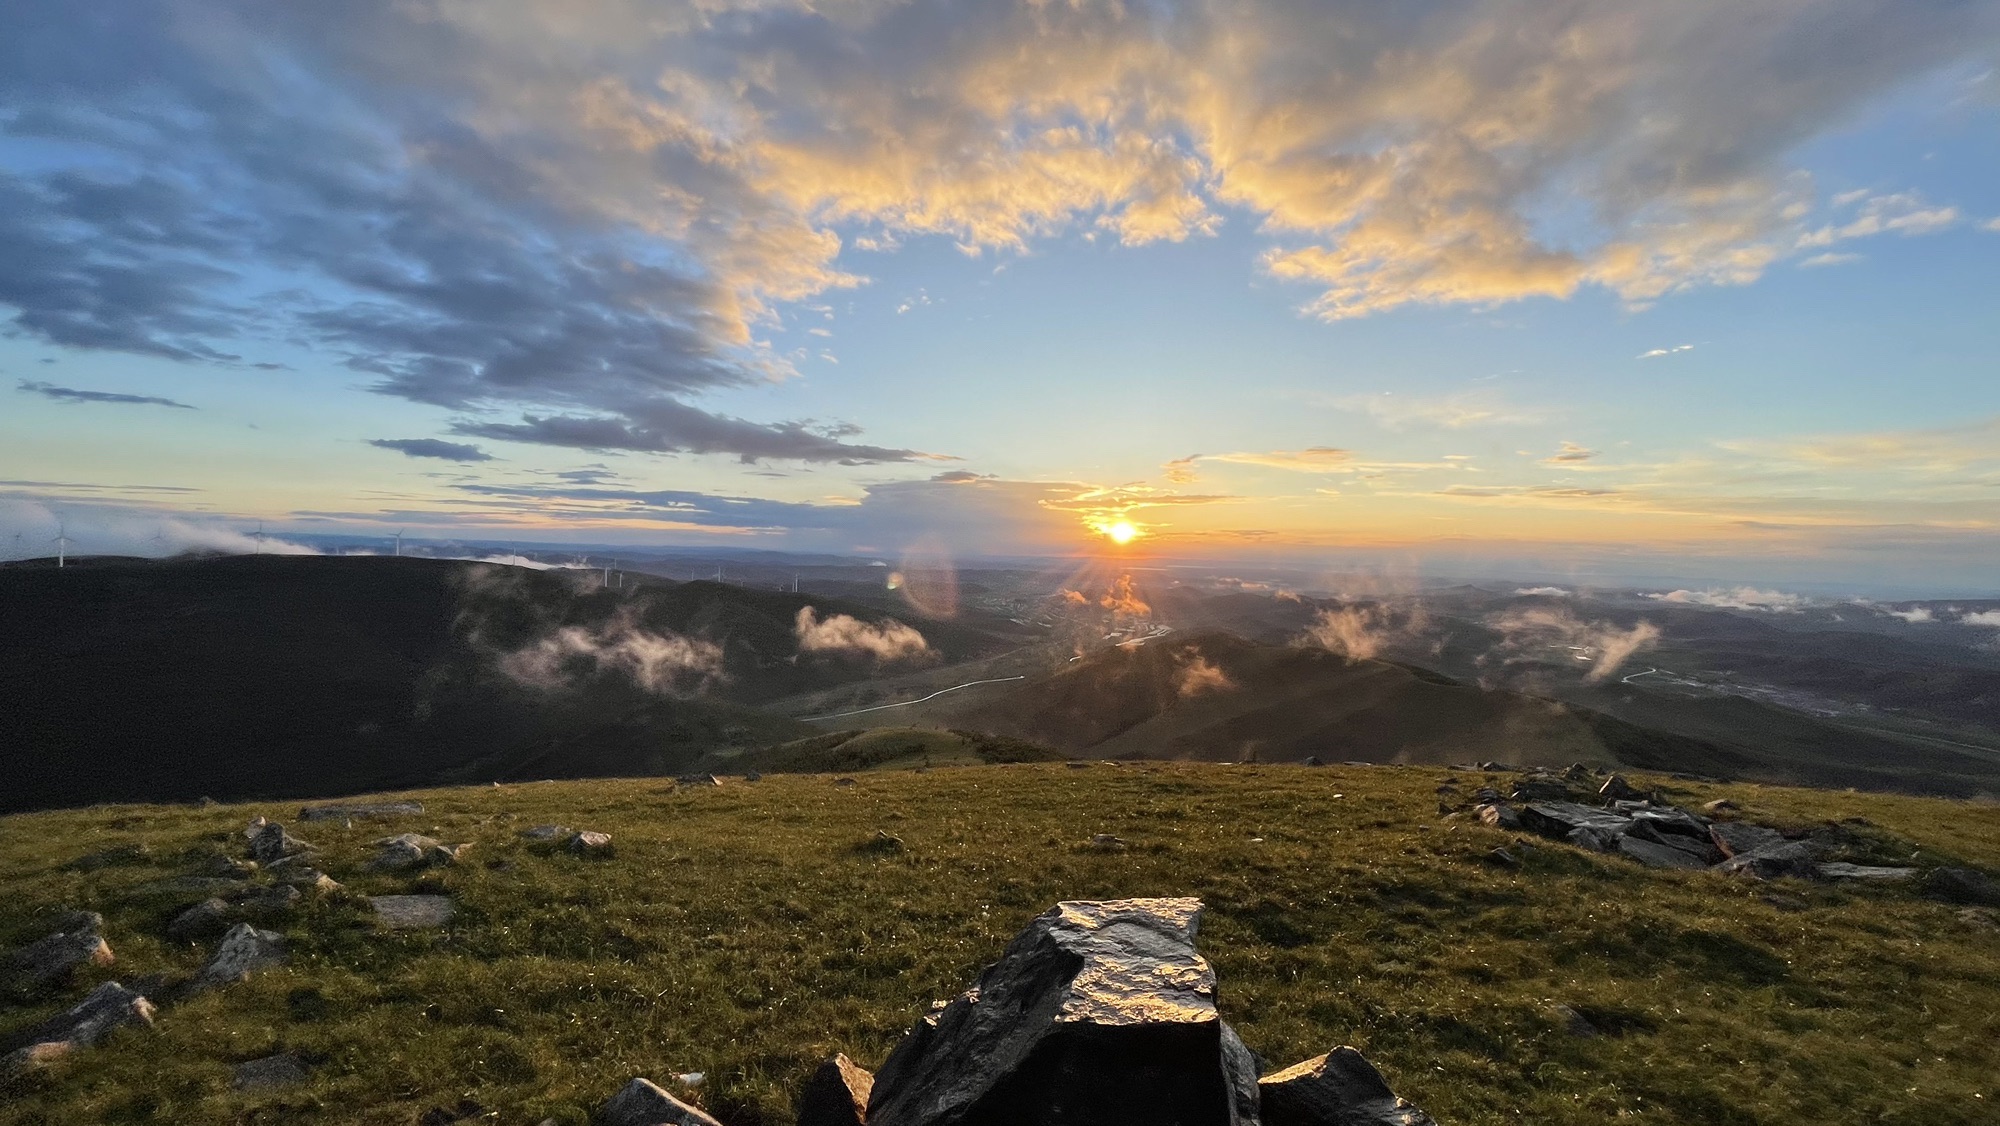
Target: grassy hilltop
<point x="749" y="930"/>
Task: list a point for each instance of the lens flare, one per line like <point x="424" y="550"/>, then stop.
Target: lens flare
<point x="1122" y="532"/>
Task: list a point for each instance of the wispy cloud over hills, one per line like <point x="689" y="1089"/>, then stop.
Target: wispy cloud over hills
<point x="432" y="447"/>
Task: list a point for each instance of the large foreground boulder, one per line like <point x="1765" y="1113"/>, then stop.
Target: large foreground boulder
<point x="1339" y="1088"/>
<point x="1098" y="1013"/>
<point x="109" y="1006"/>
<point x="242" y="952"/>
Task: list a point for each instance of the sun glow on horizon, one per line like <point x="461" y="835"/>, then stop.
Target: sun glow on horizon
<point x="1122" y="532"/>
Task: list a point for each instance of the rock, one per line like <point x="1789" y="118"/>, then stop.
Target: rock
<point x="269" y="843"/>
<point x="270" y="902"/>
<point x="312" y="881"/>
<point x="1550" y="789"/>
<point x="269" y="1072"/>
<point x="642" y="1103"/>
<point x="1596" y="840"/>
<point x="1616" y="788"/>
<point x="843" y="781"/>
<point x="587" y="843"/>
<point x="1667" y="822"/>
<point x="1314" y="760"/>
<point x="107" y="1007"/>
<point x="229" y="868"/>
<point x="42" y="966"/>
<point x="1656" y="855"/>
<point x="1839" y="871"/>
<point x="34" y="1057"/>
<point x="1500" y="815"/>
<point x="1098" y="1012"/>
<point x="698" y="780"/>
<point x="1340" y="1088"/>
<point x="547" y="832"/>
<point x="1733" y="838"/>
<point x="1786" y="858"/>
<point x="1501" y="858"/>
<point x="379" y="811"/>
<point x="1107" y="842"/>
<point x="243" y="951"/>
<point x="753" y="776"/>
<point x="1720" y="805"/>
<point x="412" y="912"/>
<point x="122" y="856"/>
<point x="1574" y="1023"/>
<point x="1963" y="885"/>
<point x="411" y="850"/>
<point x="1559" y="819"/>
<point x="836" y="1095"/>
<point x="200" y="922"/>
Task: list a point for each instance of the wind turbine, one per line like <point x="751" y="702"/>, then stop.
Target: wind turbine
<point x="260" y="537"/>
<point x="399" y="542"/>
<point x="62" y="542"/>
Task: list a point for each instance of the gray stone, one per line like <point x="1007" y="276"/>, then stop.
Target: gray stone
<point x="412" y="912"/>
<point x="1574" y="1023"/>
<point x="1839" y="871"/>
<point x="243" y="951"/>
<point x="34" y="1057"/>
<point x="1656" y="855"/>
<point x="268" y="1073"/>
<point x="1500" y="815"/>
<point x="1720" y="805"/>
<point x="312" y="881"/>
<point x="843" y="781"/>
<point x="1596" y="840"/>
<point x="201" y="922"/>
<point x="1559" y="819"/>
<point x="378" y="811"/>
<point x="642" y="1103"/>
<point x="1340" y="1088"/>
<point x="408" y="851"/>
<point x="269" y="902"/>
<point x="587" y="843"/>
<point x="269" y="843"/>
<point x="1733" y="839"/>
<point x="698" y="780"/>
<point x="107" y="1007"/>
<point x="229" y="868"/>
<point x="753" y="776"/>
<point x="836" y="1095"/>
<point x="1501" y="858"/>
<point x="1097" y="1012"/>
<point x="547" y="832"/>
<point x="1786" y="858"/>
<point x="1550" y="789"/>
<point x="1963" y="885"/>
<point x="1616" y="788"/>
<point x="45" y="965"/>
<point x="1107" y="842"/>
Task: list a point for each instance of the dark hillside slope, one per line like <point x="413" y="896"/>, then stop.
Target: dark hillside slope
<point x="1215" y="696"/>
<point x="274" y="676"/>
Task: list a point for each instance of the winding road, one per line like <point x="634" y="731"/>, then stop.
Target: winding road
<point x="907" y="703"/>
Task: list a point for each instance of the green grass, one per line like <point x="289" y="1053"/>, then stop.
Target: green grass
<point x="747" y="931"/>
<point x="888" y="748"/>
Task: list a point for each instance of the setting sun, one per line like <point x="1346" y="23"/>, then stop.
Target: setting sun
<point x="1122" y="532"/>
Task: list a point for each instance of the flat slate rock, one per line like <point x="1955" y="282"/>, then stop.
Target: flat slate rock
<point x="1655" y="855"/>
<point x="1561" y="818"/>
<point x="107" y="1007"/>
<point x="379" y="811"/>
<point x="1963" y="885"/>
<point x="836" y="1095"/>
<point x="1786" y="858"/>
<point x="1098" y="1012"/>
<point x="412" y="912"/>
<point x="547" y="832"/>
<point x="1839" y="871"/>
<point x="643" y="1103"/>
<point x="1735" y="839"/>
<point x="1340" y="1088"/>
<point x="268" y="1073"/>
<point x="201" y="922"/>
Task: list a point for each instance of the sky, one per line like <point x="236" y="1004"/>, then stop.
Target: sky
<point x="1519" y="286"/>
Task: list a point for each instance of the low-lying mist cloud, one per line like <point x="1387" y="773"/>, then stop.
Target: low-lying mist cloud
<point x="842" y="633"/>
<point x="1532" y="632"/>
<point x="99" y="530"/>
<point x="1361" y="632"/>
<point x="1198" y="675"/>
<point x="1739" y="598"/>
<point x="663" y="662"/>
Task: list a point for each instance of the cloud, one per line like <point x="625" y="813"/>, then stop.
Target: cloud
<point x="1740" y="598"/>
<point x="72" y="395"/>
<point x="432" y="447"/>
<point x="1315" y="459"/>
<point x="1545" y="592"/>
<point x="1830" y="258"/>
<point x="1981" y="618"/>
<point x="840" y="633"/>
<point x="1657" y="352"/>
<point x="658" y="661"/>
<point x="1903" y="213"/>
<point x="668" y="426"/>
<point x="1124" y="598"/>
<point x="1570" y="454"/>
<point x="1451" y="412"/>
<point x="1992" y="224"/>
<point x="589" y="210"/>
<point x="1197" y="676"/>
<point x="1915" y="615"/>
<point x="1531" y="633"/>
<point x="99" y="529"/>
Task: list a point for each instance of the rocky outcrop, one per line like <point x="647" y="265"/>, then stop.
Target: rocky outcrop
<point x="408" y="851"/>
<point x="1337" y="1089"/>
<point x="269" y="1073"/>
<point x="108" y="1007"/>
<point x="643" y="1103"/>
<point x="270" y="844"/>
<point x="1963" y="885"/>
<point x="836" y="1095"/>
<point x="244" y="950"/>
<point x="587" y="843"/>
<point x="412" y="912"/>
<point x="73" y="940"/>
<point x="1098" y="1012"/>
